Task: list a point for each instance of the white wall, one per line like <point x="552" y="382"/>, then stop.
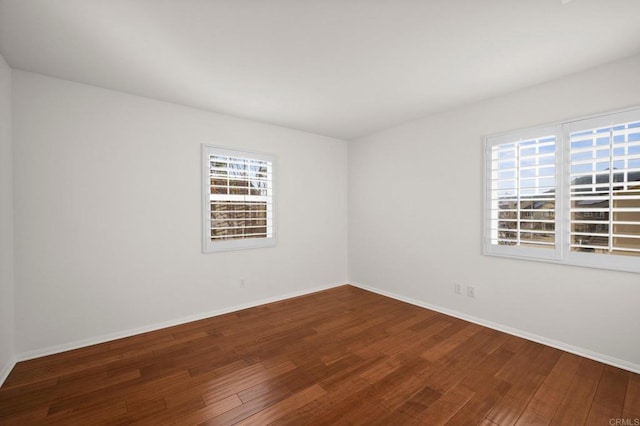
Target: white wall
<point x="415" y="220"/>
<point x="6" y="225"/>
<point x="108" y="213"/>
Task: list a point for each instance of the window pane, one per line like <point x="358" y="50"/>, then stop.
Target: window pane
<point x="605" y="191"/>
<point x="523" y="193"/>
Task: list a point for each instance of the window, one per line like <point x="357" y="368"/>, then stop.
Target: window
<point x="522" y="199"/>
<point x="568" y="193"/>
<point x="237" y="198"/>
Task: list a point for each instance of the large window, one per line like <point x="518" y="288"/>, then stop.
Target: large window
<point x="568" y="193"/>
<point x="237" y="198"/>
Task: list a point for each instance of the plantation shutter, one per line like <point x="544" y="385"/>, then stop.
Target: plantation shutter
<point x="521" y="194"/>
<point x="568" y="193"/>
<point x="605" y="185"/>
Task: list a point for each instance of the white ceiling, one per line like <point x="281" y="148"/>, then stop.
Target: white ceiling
<point x="342" y="68"/>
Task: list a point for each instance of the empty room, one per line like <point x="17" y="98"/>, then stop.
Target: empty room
<point x="320" y="212"/>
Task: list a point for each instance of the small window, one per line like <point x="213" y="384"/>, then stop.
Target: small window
<point x="238" y="199"/>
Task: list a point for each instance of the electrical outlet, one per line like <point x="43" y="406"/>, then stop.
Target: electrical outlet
<point x="471" y="291"/>
<point x="457" y="288"/>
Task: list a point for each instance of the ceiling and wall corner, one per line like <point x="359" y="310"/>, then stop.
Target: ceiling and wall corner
<point x="117" y="90"/>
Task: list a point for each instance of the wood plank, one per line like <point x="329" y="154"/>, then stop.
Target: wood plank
<point x="608" y="401"/>
<point x="445" y="407"/>
<point x="419" y="402"/>
<point x="139" y="409"/>
<point x="525" y="383"/>
<point x="548" y="397"/>
<point x="248" y="409"/>
<point x="285" y="406"/>
<point x="480" y="403"/>
<point x="209" y="411"/>
<point x="579" y="394"/>
<point x="632" y="399"/>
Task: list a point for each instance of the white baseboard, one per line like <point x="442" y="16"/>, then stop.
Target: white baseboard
<point x="605" y="359"/>
<point x="6" y="369"/>
<point x="37" y="353"/>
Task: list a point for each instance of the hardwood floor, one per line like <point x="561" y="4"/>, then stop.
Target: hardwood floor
<point x="341" y="356"/>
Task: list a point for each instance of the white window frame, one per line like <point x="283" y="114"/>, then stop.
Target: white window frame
<point x="209" y="246"/>
<point x="562" y="253"/>
<point x="526" y="252"/>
